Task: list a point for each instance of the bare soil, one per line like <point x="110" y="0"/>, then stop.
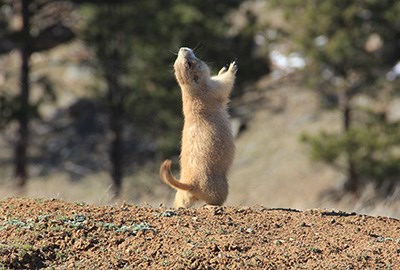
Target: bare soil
<point x="38" y="233"/>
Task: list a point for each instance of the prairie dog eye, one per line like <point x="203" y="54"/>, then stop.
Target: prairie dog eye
<point x="188" y="64"/>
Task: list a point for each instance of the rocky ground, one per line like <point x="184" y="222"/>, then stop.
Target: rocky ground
<point x="38" y="233"/>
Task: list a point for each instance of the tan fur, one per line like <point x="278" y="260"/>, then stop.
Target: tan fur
<point x="207" y="142"/>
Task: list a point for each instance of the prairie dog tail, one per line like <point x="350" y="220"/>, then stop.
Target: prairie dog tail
<point x="169" y="179"/>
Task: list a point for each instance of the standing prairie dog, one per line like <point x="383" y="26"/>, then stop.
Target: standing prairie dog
<point x="207" y="142"/>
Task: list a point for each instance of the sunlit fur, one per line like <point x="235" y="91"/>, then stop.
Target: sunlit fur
<point x="207" y="143"/>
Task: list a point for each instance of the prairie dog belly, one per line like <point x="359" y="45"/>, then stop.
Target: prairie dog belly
<point x="207" y="148"/>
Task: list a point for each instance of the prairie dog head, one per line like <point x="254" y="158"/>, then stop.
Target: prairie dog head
<point x="190" y="72"/>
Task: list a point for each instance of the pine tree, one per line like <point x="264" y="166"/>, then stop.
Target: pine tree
<point x="135" y="45"/>
<point x="46" y="36"/>
<point x="351" y="45"/>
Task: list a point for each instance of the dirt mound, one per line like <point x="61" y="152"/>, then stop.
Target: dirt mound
<point x="37" y="234"/>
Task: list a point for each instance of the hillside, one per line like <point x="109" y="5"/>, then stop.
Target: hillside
<point x="272" y="166"/>
<point x="38" y="234"/>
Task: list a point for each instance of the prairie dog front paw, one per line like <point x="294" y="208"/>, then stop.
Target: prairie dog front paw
<point x="233" y="68"/>
<point x="223" y="70"/>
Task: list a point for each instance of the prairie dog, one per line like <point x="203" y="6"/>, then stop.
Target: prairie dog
<point x="207" y="149"/>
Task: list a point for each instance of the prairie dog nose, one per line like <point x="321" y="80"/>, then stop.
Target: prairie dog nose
<point x="186" y="51"/>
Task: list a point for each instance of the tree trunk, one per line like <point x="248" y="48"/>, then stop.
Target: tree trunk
<point x="352" y="181"/>
<point x="115" y="99"/>
<point x="112" y="63"/>
<point x="23" y="114"/>
<point x="115" y="118"/>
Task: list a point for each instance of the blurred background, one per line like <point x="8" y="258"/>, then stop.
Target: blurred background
<point x="89" y="106"/>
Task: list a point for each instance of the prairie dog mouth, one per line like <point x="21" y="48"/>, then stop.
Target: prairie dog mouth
<point x="186" y="58"/>
<point x="188" y="68"/>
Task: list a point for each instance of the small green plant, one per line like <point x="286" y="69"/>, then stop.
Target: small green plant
<point x="187" y="253"/>
<point x="167" y="213"/>
<point x="107" y="225"/>
<point x="135" y="228"/>
<point x="165" y="263"/>
<point x="19" y="223"/>
<point x="77" y="222"/>
<point x="278" y="242"/>
<point x="207" y="233"/>
<point x="80" y="203"/>
<point x="315" y="250"/>
<point x="43" y="218"/>
<point x="223" y="231"/>
<point x="27" y="247"/>
<point x="60" y="255"/>
<point x="381" y="239"/>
